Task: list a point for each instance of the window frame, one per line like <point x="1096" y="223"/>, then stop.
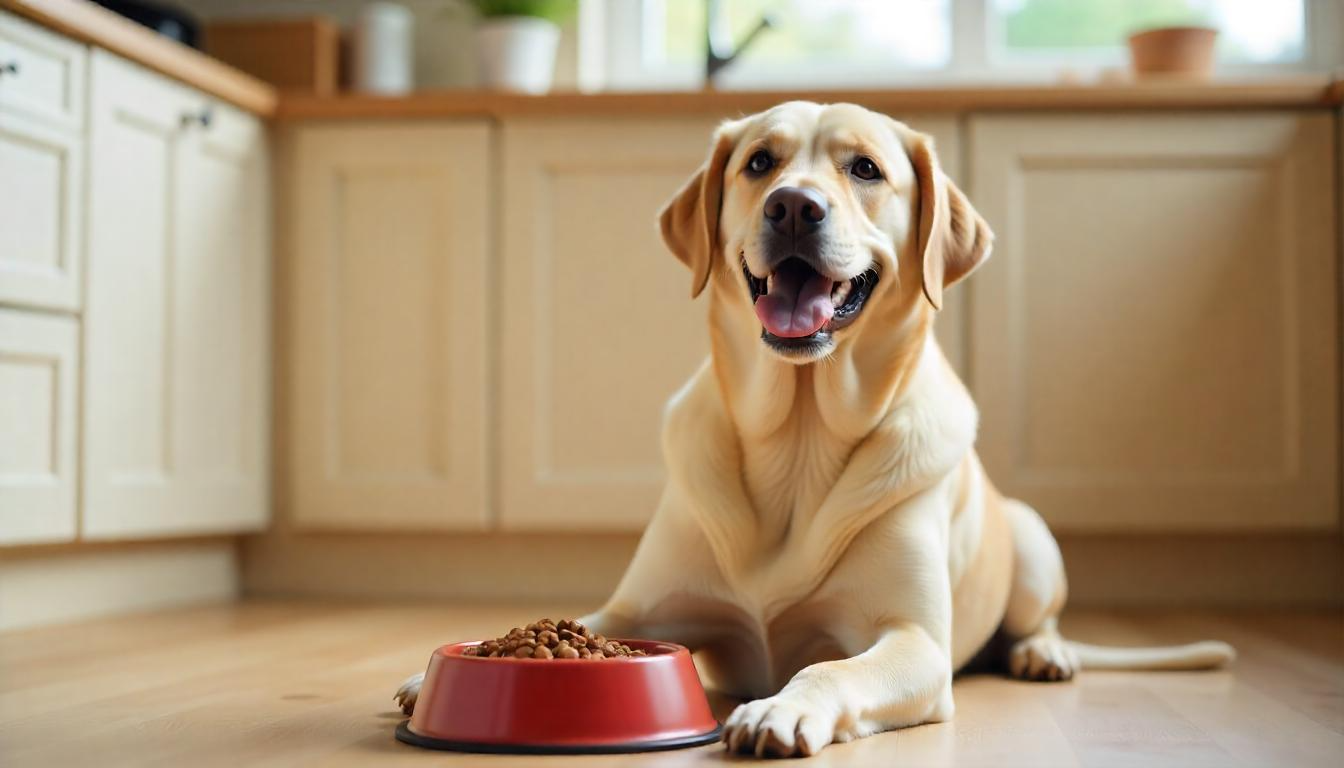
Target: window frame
<point x="612" y="59"/>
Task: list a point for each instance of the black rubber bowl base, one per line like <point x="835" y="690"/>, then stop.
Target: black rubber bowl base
<point x="407" y="736"/>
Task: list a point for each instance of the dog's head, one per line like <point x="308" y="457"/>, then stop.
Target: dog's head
<point x="827" y="222"/>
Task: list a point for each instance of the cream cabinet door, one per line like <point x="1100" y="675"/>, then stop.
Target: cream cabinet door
<point x="598" y="329"/>
<point x="1155" y="339"/>
<point x="41" y="165"/>
<point x="386" y="339"/>
<point x="176" y="341"/>
<point x="39" y="374"/>
<point x="41" y="74"/>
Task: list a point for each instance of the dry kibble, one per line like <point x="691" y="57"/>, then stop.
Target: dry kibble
<point x="546" y="639"/>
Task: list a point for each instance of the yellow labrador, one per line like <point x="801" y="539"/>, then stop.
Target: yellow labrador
<point x="828" y="540"/>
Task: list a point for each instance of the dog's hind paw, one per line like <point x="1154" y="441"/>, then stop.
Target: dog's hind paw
<point x="1044" y="657"/>
<point x="409" y="691"/>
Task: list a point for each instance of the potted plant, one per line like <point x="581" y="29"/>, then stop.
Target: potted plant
<point x="516" y="42"/>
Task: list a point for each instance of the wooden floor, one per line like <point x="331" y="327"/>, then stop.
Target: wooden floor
<point x="311" y="684"/>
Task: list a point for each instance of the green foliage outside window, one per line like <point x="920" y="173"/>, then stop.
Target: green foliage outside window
<point x="1090" y="24"/>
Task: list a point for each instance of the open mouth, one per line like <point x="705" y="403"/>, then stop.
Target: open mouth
<point x="799" y="307"/>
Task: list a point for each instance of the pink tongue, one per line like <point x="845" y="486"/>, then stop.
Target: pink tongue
<point x="798" y="304"/>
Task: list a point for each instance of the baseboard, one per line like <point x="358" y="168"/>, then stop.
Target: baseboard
<point x="1167" y="570"/>
<point x="453" y="566"/>
<point x="54" y="587"/>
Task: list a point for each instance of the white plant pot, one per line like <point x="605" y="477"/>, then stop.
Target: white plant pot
<point x="517" y="53"/>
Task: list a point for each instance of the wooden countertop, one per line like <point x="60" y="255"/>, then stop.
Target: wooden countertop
<point x="295" y="683"/>
<point x="1300" y="92"/>
<point x="93" y="24"/>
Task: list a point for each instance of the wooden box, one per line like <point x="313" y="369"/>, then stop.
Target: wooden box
<point x="298" y="55"/>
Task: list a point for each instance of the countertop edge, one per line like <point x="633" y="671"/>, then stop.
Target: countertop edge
<point x="95" y="25"/>
<point x="1301" y="92"/>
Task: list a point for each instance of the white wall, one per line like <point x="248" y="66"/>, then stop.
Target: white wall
<point x="445" y="46"/>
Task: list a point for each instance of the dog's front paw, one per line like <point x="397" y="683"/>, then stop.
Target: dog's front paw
<point x="409" y="692"/>
<point x="778" y="727"/>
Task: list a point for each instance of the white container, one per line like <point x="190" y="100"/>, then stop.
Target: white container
<point x="384" y="53"/>
<point x="517" y="53"/>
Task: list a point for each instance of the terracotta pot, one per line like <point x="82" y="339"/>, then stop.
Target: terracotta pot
<point x="1178" y="51"/>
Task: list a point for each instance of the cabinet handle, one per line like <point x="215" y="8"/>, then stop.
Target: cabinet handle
<point x="9" y="68"/>
<point x="202" y="118"/>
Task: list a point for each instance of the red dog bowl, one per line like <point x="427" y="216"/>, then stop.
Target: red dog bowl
<point x="622" y="704"/>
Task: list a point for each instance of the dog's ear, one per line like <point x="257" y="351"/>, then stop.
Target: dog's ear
<point x="953" y="238"/>
<point x="690" y="222"/>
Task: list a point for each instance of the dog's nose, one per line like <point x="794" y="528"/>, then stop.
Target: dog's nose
<point x="795" y="211"/>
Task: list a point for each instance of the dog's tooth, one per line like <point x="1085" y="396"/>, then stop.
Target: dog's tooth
<point x="769" y="283"/>
<point x="841" y="292"/>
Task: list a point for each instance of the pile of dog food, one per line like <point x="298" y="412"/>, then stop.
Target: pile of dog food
<point x="546" y="639"/>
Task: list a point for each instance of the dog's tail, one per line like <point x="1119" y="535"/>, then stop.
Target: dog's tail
<point x="1206" y="654"/>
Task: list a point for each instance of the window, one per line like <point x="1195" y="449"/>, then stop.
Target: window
<point x="641" y="44"/>
<point x="1250" y="31"/>
<point x="916" y="34"/>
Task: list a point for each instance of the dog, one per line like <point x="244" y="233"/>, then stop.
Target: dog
<point x="828" y="540"/>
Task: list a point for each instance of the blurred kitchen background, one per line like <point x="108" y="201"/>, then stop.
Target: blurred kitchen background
<point x="364" y="300"/>
<point x="660" y="44"/>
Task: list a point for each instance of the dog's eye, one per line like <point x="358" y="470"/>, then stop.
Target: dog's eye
<point x="864" y="168"/>
<point x="760" y="162"/>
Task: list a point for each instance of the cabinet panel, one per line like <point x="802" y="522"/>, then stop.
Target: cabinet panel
<point x="41" y="74"/>
<point x="1155" y="344"/>
<point x="598" y="329"/>
<point x="41" y="153"/>
<point x="39" y="374"/>
<point x="134" y="135"/>
<point x="40" y="262"/>
<point x="176" y="345"/>
<point x="387" y="387"/>
<point x="221" y="304"/>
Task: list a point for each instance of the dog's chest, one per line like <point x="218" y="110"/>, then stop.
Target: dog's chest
<point x="788" y="477"/>
<point x="757" y="655"/>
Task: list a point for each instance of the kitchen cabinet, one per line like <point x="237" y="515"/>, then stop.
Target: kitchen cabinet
<point x="1153" y="345"/>
<point x="597" y="327"/>
<point x="385" y="326"/>
<point x="1155" y="341"/>
<point x="41" y="153"/>
<point x="39" y="375"/>
<point x="176" y="327"/>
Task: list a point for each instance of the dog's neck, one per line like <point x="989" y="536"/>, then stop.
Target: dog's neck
<point x="798" y="425"/>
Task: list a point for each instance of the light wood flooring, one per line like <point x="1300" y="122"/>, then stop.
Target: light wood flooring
<point x="308" y="683"/>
